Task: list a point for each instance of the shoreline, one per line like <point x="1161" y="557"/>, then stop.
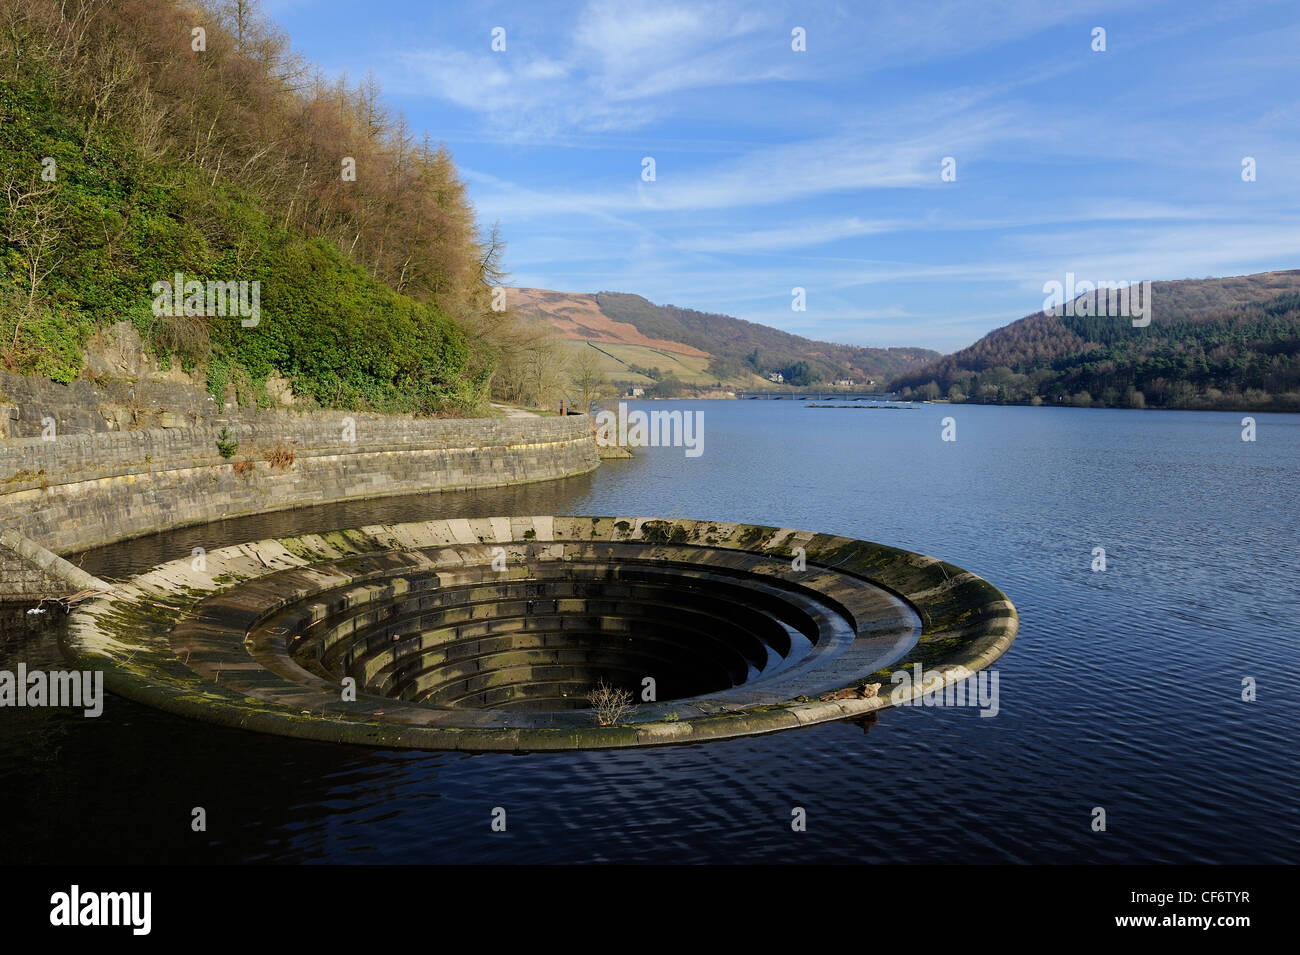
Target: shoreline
<point x="1245" y="409"/>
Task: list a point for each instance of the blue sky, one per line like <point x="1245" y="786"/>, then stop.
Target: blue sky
<point x="822" y="169"/>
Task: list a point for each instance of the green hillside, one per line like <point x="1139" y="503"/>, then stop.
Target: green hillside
<point x="127" y="156"/>
<point x="1212" y="343"/>
<point x="658" y="371"/>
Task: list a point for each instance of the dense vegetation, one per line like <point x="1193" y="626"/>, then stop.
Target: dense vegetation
<point x="127" y="155"/>
<point x="1212" y="343"/>
<point x="740" y="347"/>
<point x="797" y="373"/>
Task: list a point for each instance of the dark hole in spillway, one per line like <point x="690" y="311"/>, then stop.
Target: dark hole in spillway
<point x="488" y="634"/>
<point x="475" y="640"/>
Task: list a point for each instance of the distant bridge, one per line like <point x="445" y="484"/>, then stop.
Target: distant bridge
<point x="820" y="395"/>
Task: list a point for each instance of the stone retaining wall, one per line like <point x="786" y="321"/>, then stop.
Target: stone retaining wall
<point x="28" y="403"/>
<point x="22" y="580"/>
<point x="86" y="490"/>
<point x="30" y="572"/>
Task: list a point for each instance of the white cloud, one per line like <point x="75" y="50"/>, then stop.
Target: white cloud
<point x="611" y="70"/>
<point x="852" y="160"/>
<point x="850" y="152"/>
<point x="648" y="48"/>
<point x="796" y="235"/>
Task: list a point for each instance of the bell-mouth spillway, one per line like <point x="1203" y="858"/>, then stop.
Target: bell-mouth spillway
<point x="488" y="634"/>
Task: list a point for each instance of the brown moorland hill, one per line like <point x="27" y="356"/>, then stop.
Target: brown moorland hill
<point x="578" y="317"/>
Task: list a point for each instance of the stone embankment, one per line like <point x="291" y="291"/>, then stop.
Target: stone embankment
<point x="72" y="492"/>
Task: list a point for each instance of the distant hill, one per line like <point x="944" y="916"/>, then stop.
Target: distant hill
<point x="579" y="318"/>
<point x="1212" y="343"/>
<point x="635" y="336"/>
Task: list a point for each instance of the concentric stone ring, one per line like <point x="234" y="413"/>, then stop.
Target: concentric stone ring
<point x="488" y="634"/>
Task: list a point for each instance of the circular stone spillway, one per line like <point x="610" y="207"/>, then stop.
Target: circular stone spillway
<point x="489" y="634"/>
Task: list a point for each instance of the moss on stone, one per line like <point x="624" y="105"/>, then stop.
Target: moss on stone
<point x="962" y="615"/>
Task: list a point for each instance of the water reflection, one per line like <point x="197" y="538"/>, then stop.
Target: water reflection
<point x="1202" y="534"/>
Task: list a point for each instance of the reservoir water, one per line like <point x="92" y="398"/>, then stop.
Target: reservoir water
<point x="1123" y="691"/>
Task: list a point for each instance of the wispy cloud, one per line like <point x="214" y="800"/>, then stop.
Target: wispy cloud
<point x="850" y="160"/>
<point x="615" y="65"/>
<point x="798" y="235"/>
<point x="777" y="168"/>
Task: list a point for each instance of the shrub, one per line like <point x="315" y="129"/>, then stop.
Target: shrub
<point x="609" y="703"/>
<point x="280" y="456"/>
<point x="226" y="445"/>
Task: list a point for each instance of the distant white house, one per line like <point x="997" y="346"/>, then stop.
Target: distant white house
<point x="635" y="392"/>
<point x="844" y="383"/>
<point x="777" y="377"/>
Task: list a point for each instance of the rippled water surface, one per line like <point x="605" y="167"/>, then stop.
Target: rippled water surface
<point x="1123" y="690"/>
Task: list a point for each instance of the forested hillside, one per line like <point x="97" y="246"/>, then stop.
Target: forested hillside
<point x="144" y="138"/>
<point x="740" y="347"/>
<point x="1212" y="343"/>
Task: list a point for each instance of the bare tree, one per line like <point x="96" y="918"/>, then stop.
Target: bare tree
<point x="33" y="227"/>
<point x="493" y="251"/>
<point x="588" y="380"/>
<point x="374" y="115"/>
<point x="609" y="703"/>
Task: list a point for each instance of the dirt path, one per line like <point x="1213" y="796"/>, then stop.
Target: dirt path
<point x="514" y="412"/>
